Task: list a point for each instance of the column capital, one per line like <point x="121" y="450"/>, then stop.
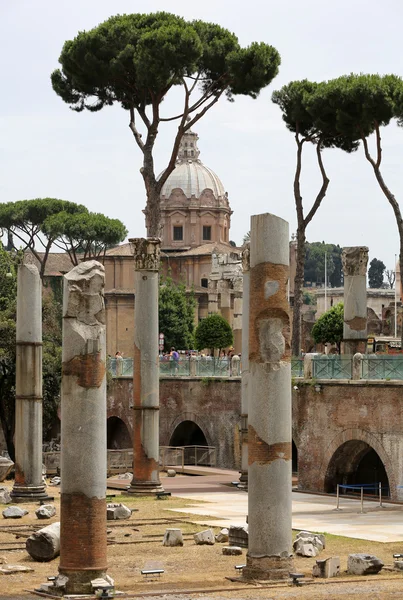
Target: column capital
<point x="147" y="252"/>
<point x="354" y="260"/>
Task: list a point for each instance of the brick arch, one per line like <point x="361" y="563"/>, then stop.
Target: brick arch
<point x="349" y="435"/>
<point x="189" y="416"/>
<point x="119" y="414"/>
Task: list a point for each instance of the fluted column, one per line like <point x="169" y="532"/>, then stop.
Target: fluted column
<point x="83" y="431"/>
<point x="245" y="365"/>
<point x="355" y="260"/>
<point x="28" y="484"/>
<point x="146" y="478"/>
<point x="269" y="411"/>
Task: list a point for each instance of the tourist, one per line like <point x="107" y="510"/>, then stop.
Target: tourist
<point x="119" y="363"/>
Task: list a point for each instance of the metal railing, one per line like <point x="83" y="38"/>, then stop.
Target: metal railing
<point x="378" y="366"/>
<point x="332" y="367"/>
<point x="186" y="366"/>
<point x="297" y="367"/>
<point x="118" y="461"/>
<point x="179" y="456"/>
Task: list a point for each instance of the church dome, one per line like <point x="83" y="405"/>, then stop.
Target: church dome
<point x="190" y="175"/>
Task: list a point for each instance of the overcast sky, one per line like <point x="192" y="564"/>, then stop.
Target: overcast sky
<point x="47" y="150"/>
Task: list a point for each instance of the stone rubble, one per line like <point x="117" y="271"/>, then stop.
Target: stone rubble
<point x="5" y="497"/>
<point x="204" y="538"/>
<point x="55" y="481"/>
<point x="10" y="569"/>
<point x="117" y="511"/>
<point x="222" y="536"/>
<point x="173" y="537"/>
<point x="231" y="551"/>
<point x="46" y="511"/>
<point x="327" y="568"/>
<point x="6" y="466"/>
<point x="44" y="545"/>
<point x="308" y="544"/>
<point x="171" y="473"/>
<point x="363" y="564"/>
<point x="14" y="512"/>
<point x="238" y="536"/>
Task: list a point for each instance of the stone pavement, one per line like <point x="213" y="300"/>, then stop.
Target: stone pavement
<point x="228" y="506"/>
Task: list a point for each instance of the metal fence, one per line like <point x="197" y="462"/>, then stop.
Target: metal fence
<point x="179" y="456"/>
<point x="297" y="367"/>
<point x="376" y="366"/>
<point x="197" y="366"/>
<point x="118" y="461"/>
<point x="332" y="367"/>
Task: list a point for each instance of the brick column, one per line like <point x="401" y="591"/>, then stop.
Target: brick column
<point x="245" y="366"/>
<point x="269" y="411"/>
<point x="83" y="433"/>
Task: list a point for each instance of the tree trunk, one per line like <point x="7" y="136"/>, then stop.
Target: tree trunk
<point x="399" y="221"/>
<point x="153" y="210"/>
<point x="298" y="294"/>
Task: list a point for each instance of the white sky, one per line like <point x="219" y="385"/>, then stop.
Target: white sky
<point x="46" y="150"/>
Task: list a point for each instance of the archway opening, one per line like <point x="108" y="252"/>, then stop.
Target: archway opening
<point x="294" y="458"/>
<point x="118" y="436"/>
<point x="355" y="462"/>
<point x="188" y="433"/>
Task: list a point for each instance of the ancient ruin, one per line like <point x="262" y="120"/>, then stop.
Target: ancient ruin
<point x="245" y="366"/>
<point x="269" y="410"/>
<point x="28" y="388"/>
<point x="146" y="478"/>
<point x="355" y="260"/>
<point x="83" y="417"/>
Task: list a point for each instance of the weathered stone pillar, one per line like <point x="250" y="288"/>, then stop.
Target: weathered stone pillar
<point x="237" y="322"/>
<point x="245" y="366"/>
<point x="146" y="478"/>
<point x="269" y="410"/>
<point x="355" y="261"/>
<point x="28" y="484"/>
<point x="83" y="431"/>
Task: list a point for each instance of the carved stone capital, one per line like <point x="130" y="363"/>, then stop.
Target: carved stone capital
<point x="355" y="260"/>
<point x="246" y="258"/>
<point x="147" y="252"/>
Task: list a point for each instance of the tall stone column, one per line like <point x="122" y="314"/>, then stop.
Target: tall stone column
<point x="28" y="484"/>
<point x="146" y="479"/>
<point x="269" y="411"/>
<point x="355" y="260"/>
<point x="83" y="431"/>
<point x="245" y="365"/>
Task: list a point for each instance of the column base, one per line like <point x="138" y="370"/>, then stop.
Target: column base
<point x="267" y="567"/>
<point x="77" y="583"/>
<point x="145" y="488"/>
<point x="243" y="478"/>
<point x="28" y="493"/>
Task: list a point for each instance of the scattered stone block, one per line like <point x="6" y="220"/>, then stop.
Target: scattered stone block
<point x="6" y="466"/>
<point x="14" y="512"/>
<point x="204" y="538"/>
<point x="46" y="511"/>
<point x="171" y="472"/>
<point x="3" y="560"/>
<point x="302" y="548"/>
<point x="5" y="497"/>
<point x="222" y="536"/>
<point x="125" y="476"/>
<point x="363" y="564"/>
<point x="232" y="551"/>
<point x="55" y="481"/>
<point x="173" y="537"/>
<point x="117" y="511"/>
<point x="44" y="545"/>
<point x="327" y="568"/>
<point x="317" y="537"/>
<point x="10" y="569"/>
<point x="398" y="565"/>
<point x="238" y="536"/>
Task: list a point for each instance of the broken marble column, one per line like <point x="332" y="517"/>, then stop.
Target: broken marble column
<point x="28" y="484"/>
<point x="146" y="479"/>
<point x="355" y="260"/>
<point x="245" y="366"/>
<point x="269" y="411"/>
<point x="83" y="431"/>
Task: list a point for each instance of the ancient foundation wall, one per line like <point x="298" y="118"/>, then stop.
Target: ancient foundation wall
<point x="213" y="405"/>
<point x="327" y="414"/>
